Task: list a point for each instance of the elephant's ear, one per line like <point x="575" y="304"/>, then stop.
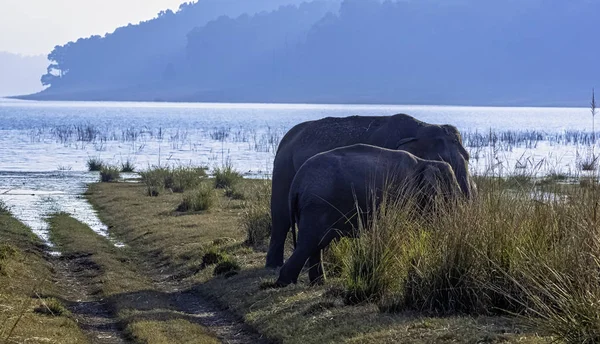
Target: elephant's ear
<point x="405" y="141"/>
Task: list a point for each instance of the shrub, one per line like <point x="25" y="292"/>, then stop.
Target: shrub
<point x="94" y="164"/>
<point x="127" y="166"/>
<point x="226" y="177"/>
<point x="52" y="307"/>
<point x="201" y="199"/>
<point x="109" y="174"/>
<point x="256" y="217"/>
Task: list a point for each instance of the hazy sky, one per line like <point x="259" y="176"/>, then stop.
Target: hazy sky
<point x="36" y="26"/>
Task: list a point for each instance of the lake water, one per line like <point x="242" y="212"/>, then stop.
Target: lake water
<point x="44" y="146"/>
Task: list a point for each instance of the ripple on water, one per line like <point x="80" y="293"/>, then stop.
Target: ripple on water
<point x="34" y="196"/>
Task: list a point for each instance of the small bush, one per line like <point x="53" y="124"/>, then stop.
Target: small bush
<point x="226" y="266"/>
<point x="198" y="200"/>
<point x="109" y="174"/>
<point x="94" y="164"/>
<point x="226" y="177"/>
<point x="127" y="166"/>
<point x="52" y="307"/>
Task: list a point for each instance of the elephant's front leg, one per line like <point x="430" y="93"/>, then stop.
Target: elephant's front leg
<point x="315" y="271"/>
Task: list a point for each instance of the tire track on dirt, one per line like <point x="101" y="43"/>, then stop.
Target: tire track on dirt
<point x="90" y="312"/>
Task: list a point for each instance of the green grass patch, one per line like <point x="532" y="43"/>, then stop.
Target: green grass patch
<point x="203" y="198"/>
<point x="175" y="179"/>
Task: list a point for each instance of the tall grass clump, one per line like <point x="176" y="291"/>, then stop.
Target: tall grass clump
<point x="94" y="164"/>
<point x="226" y="177"/>
<point x="256" y="217"/>
<point x="203" y="198"/>
<point x="127" y="166"/>
<point x="109" y="174"/>
<point x="175" y="179"/>
<point x="507" y="251"/>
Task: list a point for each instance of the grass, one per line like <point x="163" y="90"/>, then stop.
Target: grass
<point x="296" y="314"/>
<point x="52" y="307"/>
<point x="505" y="253"/>
<point x="109" y="174"/>
<point x="127" y="166"/>
<point x="234" y="193"/>
<point x="226" y="177"/>
<point x="256" y="216"/>
<point x="170" y="331"/>
<point x="24" y="274"/>
<point x="203" y="198"/>
<point x="226" y="267"/>
<point x="175" y="179"/>
<point x="94" y="164"/>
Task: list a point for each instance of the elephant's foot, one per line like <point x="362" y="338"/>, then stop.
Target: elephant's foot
<point x="273" y="265"/>
<point x="273" y="285"/>
<point x="274" y="260"/>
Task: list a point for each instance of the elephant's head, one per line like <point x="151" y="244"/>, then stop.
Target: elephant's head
<point x="442" y="143"/>
<point x="435" y="182"/>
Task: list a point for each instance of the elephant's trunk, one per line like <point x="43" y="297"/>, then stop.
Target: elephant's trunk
<point x="464" y="180"/>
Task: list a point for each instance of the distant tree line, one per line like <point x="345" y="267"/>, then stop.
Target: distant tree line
<point x="411" y="51"/>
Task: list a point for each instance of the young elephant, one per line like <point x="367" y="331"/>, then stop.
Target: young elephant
<point x="329" y="188"/>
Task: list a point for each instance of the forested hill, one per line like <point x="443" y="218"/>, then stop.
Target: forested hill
<point x="476" y="52"/>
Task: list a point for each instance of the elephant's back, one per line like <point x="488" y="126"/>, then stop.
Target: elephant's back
<point x="309" y="138"/>
<point x="358" y="161"/>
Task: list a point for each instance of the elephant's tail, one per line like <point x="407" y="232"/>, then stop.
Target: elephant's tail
<point x="293" y="217"/>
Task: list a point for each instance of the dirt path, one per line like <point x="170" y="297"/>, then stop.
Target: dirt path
<point x="75" y="275"/>
<point x="225" y="325"/>
<point x="90" y="312"/>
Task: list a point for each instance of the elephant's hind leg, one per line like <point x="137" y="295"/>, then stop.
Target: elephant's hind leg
<point x="316" y="272"/>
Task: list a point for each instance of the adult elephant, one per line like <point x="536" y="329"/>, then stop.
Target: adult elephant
<point x="393" y="132"/>
<point x="332" y="190"/>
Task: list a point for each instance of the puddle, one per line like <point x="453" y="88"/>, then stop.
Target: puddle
<point x="33" y="196"/>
